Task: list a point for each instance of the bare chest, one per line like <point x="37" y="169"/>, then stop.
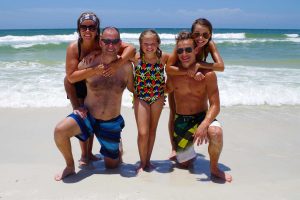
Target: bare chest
<point x="115" y="83"/>
<point x="184" y="85"/>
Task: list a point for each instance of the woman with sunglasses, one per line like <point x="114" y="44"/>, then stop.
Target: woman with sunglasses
<point x="88" y="28"/>
<point x="202" y="34"/>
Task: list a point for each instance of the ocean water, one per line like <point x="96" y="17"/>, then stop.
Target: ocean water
<point x="262" y="67"/>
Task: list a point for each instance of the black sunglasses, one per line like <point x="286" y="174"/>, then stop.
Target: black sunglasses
<point x="85" y="28"/>
<point x="204" y="35"/>
<point x="187" y="49"/>
<point x="109" y="41"/>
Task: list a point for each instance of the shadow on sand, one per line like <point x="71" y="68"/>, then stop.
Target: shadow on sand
<point x="98" y="167"/>
<point x="200" y="166"/>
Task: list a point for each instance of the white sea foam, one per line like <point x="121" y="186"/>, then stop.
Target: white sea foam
<point x="28" y="41"/>
<point x="36" y="80"/>
<point x="229" y="36"/>
<point x="296" y="40"/>
<point x="169" y="39"/>
<point x="166" y="39"/>
<point x="32" y="84"/>
<point x="246" y="85"/>
<point x="295" y="35"/>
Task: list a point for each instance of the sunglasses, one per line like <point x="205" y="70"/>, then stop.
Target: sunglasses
<point x="204" y="35"/>
<point x="109" y="41"/>
<point x="187" y="49"/>
<point x="91" y="28"/>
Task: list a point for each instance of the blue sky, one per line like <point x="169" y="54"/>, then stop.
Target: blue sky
<point x="20" y="14"/>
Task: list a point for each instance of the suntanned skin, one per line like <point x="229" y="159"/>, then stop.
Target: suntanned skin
<point x="88" y="45"/>
<point x="147" y="116"/>
<point x="103" y="101"/>
<point x="191" y="97"/>
<point x="172" y="69"/>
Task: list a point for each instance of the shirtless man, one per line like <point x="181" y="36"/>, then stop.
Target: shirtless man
<point x="103" y="104"/>
<point x="195" y="119"/>
<point x="88" y="29"/>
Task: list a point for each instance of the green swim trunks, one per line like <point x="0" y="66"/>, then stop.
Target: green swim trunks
<point x="184" y="129"/>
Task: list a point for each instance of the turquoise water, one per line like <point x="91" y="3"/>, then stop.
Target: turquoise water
<point x="262" y="66"/>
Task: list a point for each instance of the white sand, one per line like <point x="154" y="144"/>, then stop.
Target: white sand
<point x="261" y="152"/>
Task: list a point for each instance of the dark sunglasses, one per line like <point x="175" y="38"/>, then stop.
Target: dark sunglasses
<point x="109" y="41"/>
<point x="187" y="49"/>
<point x="204" y="35"/>
<point x="85" y="28"/>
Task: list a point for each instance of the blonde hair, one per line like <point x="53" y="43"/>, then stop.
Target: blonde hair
<point x="151" y="31"/>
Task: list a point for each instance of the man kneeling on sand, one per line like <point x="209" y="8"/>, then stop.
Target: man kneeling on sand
<point x="103" y="106"/>
<point x="195" y="120"/>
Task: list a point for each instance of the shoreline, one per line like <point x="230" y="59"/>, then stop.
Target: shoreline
<point x="261" y="147"/>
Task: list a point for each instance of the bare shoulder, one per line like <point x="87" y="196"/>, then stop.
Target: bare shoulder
<point x="127" y="66"/>
<point x="73" y="46"/>
<point x="165" y="57"/>
<point x="94" y="53"/>
<point x="72" y="50"/>
<point x="137" y="56"/>
<point x="210" y="76"/>
<point x="212" y="45"/>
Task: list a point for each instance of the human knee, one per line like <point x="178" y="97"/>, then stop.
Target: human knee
<point x="215" y="134"/>
<point x="185" y="164"/>
<point x="59" y="131"/>
<point x="152" y="131"/>
<point x="111" y="163"/>
<point x="143" y="134"/>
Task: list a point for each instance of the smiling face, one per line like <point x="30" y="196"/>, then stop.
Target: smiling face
<point x="110" y="41"/>
<point x="186" y="52"/>
<point x="149" y="43"/>
<point x="201" y="35"/>
<point x="88" y="30"/>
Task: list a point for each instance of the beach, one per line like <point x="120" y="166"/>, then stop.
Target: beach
<point x="261" y="151"/>
<point x="260" y="113"/>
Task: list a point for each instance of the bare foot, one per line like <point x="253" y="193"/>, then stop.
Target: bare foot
<point x="221" y="175"/>
<point x="66" y="172"/>
<point x="173" y="155"/>
<point x="83" y="161"/>
<point x="140" y="169"/>
<point x="149" y="166"/>
<point x="92" y="157"/>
